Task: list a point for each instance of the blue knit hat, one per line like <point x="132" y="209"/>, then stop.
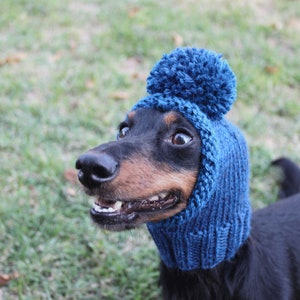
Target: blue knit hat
<point x="200" y="85"/>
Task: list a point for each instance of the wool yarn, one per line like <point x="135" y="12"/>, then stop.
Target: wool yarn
<point x="199" y="84"/>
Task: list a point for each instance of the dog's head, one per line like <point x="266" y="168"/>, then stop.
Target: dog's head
<point x="147" y="174"/>
<point x="178" y="164"/>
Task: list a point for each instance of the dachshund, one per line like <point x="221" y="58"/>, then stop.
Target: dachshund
<point x="148" y="174"/>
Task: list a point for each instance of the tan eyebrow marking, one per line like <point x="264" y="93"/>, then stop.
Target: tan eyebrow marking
<point x="170" y="118"/>
<point x="131" y="115"/>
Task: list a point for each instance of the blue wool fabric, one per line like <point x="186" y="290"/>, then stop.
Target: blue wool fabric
<point x="200" y="85"/>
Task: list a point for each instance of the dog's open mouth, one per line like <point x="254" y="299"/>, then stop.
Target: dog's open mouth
<point x="108" y="213"/>
<point x="159" y="202"/>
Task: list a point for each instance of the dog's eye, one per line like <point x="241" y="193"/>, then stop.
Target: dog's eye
<point x="123" y="132"/>
<point x="180" y="139"/>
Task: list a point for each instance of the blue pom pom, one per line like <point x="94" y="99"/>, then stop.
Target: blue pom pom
<point x="196" y="75"/>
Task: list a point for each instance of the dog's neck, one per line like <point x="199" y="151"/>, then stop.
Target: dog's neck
<point x="213" y="283"/>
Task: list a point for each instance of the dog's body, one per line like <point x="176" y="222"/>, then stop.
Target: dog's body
<point x="267" y="266"/>
<point x="148" y="175"/>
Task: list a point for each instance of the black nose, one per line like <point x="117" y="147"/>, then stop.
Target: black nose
<point x="95" y="168"/>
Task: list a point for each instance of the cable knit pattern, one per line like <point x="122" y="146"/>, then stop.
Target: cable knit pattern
<point x="201" y="86"/>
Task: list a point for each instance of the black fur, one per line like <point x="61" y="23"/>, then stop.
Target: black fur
<point x="266" y="267"/>
<point x="289" y="180"/>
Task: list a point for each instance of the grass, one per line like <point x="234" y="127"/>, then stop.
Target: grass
<point x="68" y="72"/>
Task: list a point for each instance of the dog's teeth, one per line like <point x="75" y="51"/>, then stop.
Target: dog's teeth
<point x="162" y="195"/>
<point x="118" y="205"/>
<point x="100" y="209"/>
<point x="97" y="208"/>
<point x="158" y="197"/>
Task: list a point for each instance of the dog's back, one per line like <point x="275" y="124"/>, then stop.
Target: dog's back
<point x="276" y="228"/>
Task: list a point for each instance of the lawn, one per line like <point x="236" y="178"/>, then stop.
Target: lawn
<point x="69" y="71"/>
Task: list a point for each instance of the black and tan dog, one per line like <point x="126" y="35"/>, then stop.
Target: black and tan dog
<point x="148" y="175"/>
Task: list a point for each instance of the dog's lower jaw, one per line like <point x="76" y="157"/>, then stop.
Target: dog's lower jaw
<point x="113" y="221"/>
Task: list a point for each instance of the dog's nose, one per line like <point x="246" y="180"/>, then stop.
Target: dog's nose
<point x="95" y="168"/>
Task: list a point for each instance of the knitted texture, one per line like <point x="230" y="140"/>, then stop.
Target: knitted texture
<point x="200" y="85"/>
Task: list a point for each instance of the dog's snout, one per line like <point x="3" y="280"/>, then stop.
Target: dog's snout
<point x="95" y="168"/>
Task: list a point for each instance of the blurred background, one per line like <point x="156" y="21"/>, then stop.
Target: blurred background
<point x="69" y="71"/>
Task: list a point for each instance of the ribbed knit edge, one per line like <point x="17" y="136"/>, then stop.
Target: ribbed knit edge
<point x="203" y="249"/>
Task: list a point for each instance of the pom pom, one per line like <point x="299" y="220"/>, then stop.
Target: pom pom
<point x="196" y="75"/>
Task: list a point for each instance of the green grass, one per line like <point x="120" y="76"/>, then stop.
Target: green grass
<point x="69" y="70"/>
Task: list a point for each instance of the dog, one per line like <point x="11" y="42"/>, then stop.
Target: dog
<point x="182" y="168"/>
<point x="148" y="174"/>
